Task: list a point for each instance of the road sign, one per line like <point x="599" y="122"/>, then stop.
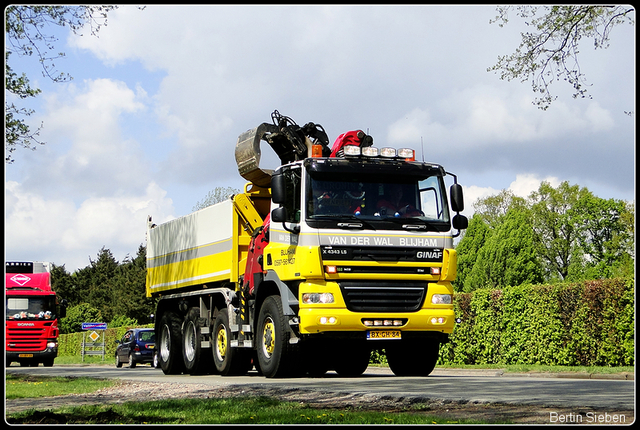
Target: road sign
<point x="94" y="326"/>
<point x="94" y="336"/>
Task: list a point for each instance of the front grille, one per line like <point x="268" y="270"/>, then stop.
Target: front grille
<point x="26" y="331"/>
<point x="383" y="296"/>
<point x="384" y="253"/>
<point x="26" y="339"/>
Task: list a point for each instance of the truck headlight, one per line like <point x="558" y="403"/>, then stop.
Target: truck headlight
<point x="313" y="298"/>
<point x="441" y="299"/>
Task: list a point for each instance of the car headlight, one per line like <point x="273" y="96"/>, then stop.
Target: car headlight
<point x="441" y="299"/>
<point x="313" y="298"/>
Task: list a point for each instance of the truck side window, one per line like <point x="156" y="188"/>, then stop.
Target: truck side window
<point x="293" y="187"/>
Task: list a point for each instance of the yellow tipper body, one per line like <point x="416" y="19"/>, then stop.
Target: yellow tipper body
<point x="207" y="247"/>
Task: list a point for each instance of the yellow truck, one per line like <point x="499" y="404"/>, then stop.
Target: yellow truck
<point x="337" y="252"/>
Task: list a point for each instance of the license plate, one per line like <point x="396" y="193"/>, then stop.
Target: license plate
<point x="383" y="334"/>
<point x="25" y="355"/>
<point x="150" y="346"/>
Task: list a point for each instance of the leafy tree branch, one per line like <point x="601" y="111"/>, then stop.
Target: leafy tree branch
<point x="27" y="35"/>
<point x="550" y="51"/>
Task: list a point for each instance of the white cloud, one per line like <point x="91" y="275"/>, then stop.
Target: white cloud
<point x="90" y="186"/>
<point x="39" y="228"/>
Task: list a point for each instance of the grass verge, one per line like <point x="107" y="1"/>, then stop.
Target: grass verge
<point x="19" y="386"/>
<point x="237" y="410"/>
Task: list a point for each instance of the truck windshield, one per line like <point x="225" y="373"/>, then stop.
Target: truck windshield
<point x="392" y="202"/>
<point x="31" y="308"/>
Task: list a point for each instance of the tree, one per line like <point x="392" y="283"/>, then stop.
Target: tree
<point x="550" y="52"/>
<point x="555" y="226"/>
<point x="215" y="196"/>
<point x="26" y="36"/>
<point x="468" y="250"/>
<point x="493" y="209"/>
<point x="564" y="233"/>
<point x="510" y="254"/>
<point x="63" y="284"/>
<point x="76" y="315"/>
<point x="97" y="283"/>
<point x="130" y="284"/>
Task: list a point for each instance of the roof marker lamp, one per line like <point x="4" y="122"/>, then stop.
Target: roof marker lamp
<point x="351" y="151"/>
<point x="407" y="153"/>
<point x="370" y="151"/>
<point x="388" y="152"/>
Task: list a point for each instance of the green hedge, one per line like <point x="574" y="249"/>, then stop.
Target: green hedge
<point x="70" y="345"/>
<point x="584" y="324"/>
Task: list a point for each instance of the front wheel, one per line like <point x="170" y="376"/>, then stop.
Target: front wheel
<point x="276" y="356"/>
<point x="418" y="359"/>
<point x="118" y="362"/>
<point x="132" y="362"/>
<point x="354" y="359"/>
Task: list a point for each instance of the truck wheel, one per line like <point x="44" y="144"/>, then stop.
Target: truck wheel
<point x="170" y="344"/>
<point x="195" y="361"/>
<point x="353" y="360"/>
<point x="48" y="363"/>
<point x="317" y="362"/>
<point x="228" y="361"/>
<point x="417" y="359"/>
<point x="276" y="356"/>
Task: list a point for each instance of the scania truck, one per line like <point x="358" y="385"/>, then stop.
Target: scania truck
<point x="337" y="252"/>
<point x="31" y="327"/>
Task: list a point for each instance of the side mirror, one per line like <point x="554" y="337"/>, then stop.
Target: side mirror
<point x="460" y="222"/>
<point x="457" y="201"/>
<point x="62" y="311"/>
<point x="278" y="188"/>
<point x="279" y="215"/>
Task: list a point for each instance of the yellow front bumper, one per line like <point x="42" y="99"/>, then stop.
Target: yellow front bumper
<point x="314" y="320"/>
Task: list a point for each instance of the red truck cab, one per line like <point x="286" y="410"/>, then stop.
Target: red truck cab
<point x="31" y="328"/>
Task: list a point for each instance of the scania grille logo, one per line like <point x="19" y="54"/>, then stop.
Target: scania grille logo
<point x="20" y="279"/>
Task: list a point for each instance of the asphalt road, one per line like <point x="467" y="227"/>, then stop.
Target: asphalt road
<point x="444" y="384"/>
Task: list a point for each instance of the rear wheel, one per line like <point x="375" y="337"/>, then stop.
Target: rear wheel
<point x="195" y="360"/>
<point x="170" y="344"/>
<point x="228" y="361"/>
<point x="417" y="359"/>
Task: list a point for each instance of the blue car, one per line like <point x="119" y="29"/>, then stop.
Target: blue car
<point x="137" y="346"/>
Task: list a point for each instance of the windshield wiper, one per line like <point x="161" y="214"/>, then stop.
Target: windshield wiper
<point x="412" y="223"/>
<point x="360" y="223"/>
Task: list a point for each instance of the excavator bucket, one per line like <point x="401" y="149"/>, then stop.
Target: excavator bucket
<point x="248" y="155"/>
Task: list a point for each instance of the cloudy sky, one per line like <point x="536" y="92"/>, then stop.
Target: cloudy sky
<point x="149" y="123"/>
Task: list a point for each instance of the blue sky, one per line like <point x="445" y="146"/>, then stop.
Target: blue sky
<point x="149" y="123"/>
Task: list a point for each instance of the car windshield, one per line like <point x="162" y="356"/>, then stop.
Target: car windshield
<point x="31" y="308"/>
<point x="410" y="199"/>
<point x="147" y="336"/>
